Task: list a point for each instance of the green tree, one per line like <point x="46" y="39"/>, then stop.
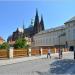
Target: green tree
<point x="20" y="43"/>
<point x="5" y="45"/>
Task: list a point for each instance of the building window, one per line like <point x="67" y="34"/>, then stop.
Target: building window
<point x="68" y="25"/>
<point x="73" y="34"/>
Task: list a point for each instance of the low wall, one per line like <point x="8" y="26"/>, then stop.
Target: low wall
<point x="44" y="51"/>
<point x="20" y="52"/>
<point x="12" y="53"/>
<point x="4" y="53"/>
<point x="35" y="52"/>
<point x="53" y="50"/>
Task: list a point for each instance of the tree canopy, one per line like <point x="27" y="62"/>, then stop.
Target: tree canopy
<point x="5" y="45"/>
<point x="20" y="43"/>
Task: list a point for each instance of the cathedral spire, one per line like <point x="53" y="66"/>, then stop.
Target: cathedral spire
<point x="17" y="30"/>
<point x="37" y="14"/>
<point x="36" y="22"/>
<point x="32" y="22"/>
<point x="23" y="25"/>
<point x="42" y="23"/>
<point x="23" y="30"/>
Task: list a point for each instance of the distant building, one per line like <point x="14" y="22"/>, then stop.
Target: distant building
<point x="1" y="40"/>
<point x="70" y="33"/>
<point x="28" y="32"/>
<point x="62" y="35"/>
<point x="50" y="38"/>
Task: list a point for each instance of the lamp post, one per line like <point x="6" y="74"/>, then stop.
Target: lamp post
<point x="60" y="51"/>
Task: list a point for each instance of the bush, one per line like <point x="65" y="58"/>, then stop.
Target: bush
<point x="20" y="43"/>
<point x="5" y="45"/>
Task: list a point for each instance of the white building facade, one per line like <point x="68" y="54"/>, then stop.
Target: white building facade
<point x="63" y="36"/>
<point x="70" y="32"/>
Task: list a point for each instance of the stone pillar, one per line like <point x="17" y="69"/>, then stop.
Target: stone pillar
<point x="55" y="50"/>
<point x="41" y="51"/>
<point x="11" y="52"/>
<point x="63" y="50"/>
<point x="29" y="51"/>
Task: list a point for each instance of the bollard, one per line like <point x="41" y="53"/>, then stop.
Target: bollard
<point x="11" y="52"/>
<point x="29" y="51"/>
<point x="55" y="50"/>
<point x="41" y="51"/>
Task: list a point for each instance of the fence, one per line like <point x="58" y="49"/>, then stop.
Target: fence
<point x="4" y="53"/>
<point x="12" y="53"/>
<point x="20" y="52"/>
<point x="44" y="51"/>
<point x="35" y="52"/>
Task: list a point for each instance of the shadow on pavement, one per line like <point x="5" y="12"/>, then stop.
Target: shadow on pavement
<point x="59" y="67"/>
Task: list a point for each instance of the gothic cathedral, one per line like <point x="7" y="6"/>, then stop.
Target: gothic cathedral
<point x="30" y="31"/>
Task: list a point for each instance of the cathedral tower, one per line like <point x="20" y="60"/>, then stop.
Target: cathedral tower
<point x="42" y="23"/>
<point x="38" y="26"/>
<point x="36" y="22"/>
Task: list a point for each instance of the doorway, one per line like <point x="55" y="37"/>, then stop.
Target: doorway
<point x="71" y="48"/>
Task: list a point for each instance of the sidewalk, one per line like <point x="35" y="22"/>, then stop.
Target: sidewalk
<point x="16" y="60"/>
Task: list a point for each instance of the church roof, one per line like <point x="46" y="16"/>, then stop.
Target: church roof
<point x="29" y="31"/>
<point x="70" y="20"/>
<point x="1" y="38"/>
<point x="52" y="30"/>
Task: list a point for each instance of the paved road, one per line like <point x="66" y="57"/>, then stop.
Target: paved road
<point x="42" y="66"/>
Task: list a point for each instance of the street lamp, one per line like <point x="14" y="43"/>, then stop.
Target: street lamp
<point x="59" y="48"/>
<point x="60" y="51"/>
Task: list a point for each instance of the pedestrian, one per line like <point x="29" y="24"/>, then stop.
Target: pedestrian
<point x="60" y="53"/>
<point x="49" y="53"/>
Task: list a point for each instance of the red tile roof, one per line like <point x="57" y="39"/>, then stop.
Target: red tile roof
<point x="1" y="38"/>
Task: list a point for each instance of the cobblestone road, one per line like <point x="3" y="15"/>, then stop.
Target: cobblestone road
<point x="41" y="66"/>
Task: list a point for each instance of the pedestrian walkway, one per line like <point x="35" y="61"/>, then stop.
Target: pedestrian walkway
<point x="64" y="66"/>
<point x="40" y="65"/>
<point x="16" y="60"/>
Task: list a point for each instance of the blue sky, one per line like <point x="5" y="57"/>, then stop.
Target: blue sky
<point x="13" y="13"/>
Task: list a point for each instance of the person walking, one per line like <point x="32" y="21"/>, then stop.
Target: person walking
<point x="49" y="53"/>
<point x="60" y="54"/>
<point x="74" y="53"/>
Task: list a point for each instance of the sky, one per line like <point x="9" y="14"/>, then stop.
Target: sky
<point x="14" y="12"/>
